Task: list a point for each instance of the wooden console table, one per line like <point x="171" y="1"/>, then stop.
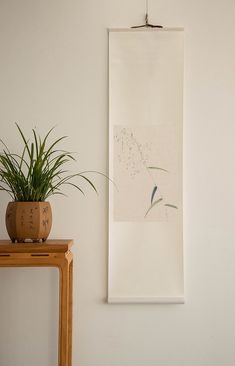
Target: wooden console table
<point x="52" y="253"/>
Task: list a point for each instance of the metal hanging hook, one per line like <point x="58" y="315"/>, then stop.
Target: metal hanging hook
<point x="147" y="24"/>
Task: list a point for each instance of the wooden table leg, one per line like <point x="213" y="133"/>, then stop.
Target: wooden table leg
<point x="65" y="327"/>
<point x="70" y="312"/>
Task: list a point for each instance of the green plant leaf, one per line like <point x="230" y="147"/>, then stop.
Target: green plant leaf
<point x="88" y="180"/>
<point x="76" y="186"/>
<point x="23" y="137"/>
<point x="40" y="170"/>
<point x="102" y="174"/>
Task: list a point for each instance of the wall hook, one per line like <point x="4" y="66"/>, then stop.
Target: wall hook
<point x="147" y="24"/>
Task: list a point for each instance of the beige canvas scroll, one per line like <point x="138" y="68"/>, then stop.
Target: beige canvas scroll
<point x="145" y="163"/>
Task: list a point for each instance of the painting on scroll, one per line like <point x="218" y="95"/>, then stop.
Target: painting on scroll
<point x="147" y="173"/>
<point x="146" y="166"/>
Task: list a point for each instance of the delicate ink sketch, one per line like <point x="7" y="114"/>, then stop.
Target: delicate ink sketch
<point x="145" y="171"/>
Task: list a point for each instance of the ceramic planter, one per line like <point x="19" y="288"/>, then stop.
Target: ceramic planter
<point x="28" y="221"/>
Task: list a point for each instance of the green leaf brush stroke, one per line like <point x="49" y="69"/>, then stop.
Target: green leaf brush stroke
<point x="157" y="168"/>
<point x="153" y="194"/>
<point x="170" y="205"/>
<point x="153" y="204"/>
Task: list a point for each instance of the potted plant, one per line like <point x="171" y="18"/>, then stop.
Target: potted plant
<point x="30" y="178"/>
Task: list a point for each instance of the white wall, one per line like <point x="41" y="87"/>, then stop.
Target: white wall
<point x="54" y="71"/>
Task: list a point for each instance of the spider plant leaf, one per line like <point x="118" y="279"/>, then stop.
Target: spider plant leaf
<point x="23" y="137"/>
<point x="42" y="144"/>
<point x="40" y="171"/>
<point x="102" y="174"/>
<point x="89" y="181"/>
<point x="56" y="186"/>
<point x="22" y="160"/>
<point x="7" y="149"/>
<point x="157" y="168"/>
<point x="152" y="205"/>
<point x="31" y="159"/>
<point x="36" y="143"/>
<point x="76" y="186"/>
<point x="153" y="194"/>
<point x="53" y="193"/>
<point x="51" y="147"/>
<point x="4" y="189"/>
<point x="170" y="205"/>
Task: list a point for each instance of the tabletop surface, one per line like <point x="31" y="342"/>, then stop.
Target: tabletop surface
<point x="49" y="246"/>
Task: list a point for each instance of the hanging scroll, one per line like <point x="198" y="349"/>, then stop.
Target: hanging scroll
<point x="145" y="162"/>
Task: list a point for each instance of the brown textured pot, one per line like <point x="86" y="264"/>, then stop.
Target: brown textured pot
<point x="28" y="221"/>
